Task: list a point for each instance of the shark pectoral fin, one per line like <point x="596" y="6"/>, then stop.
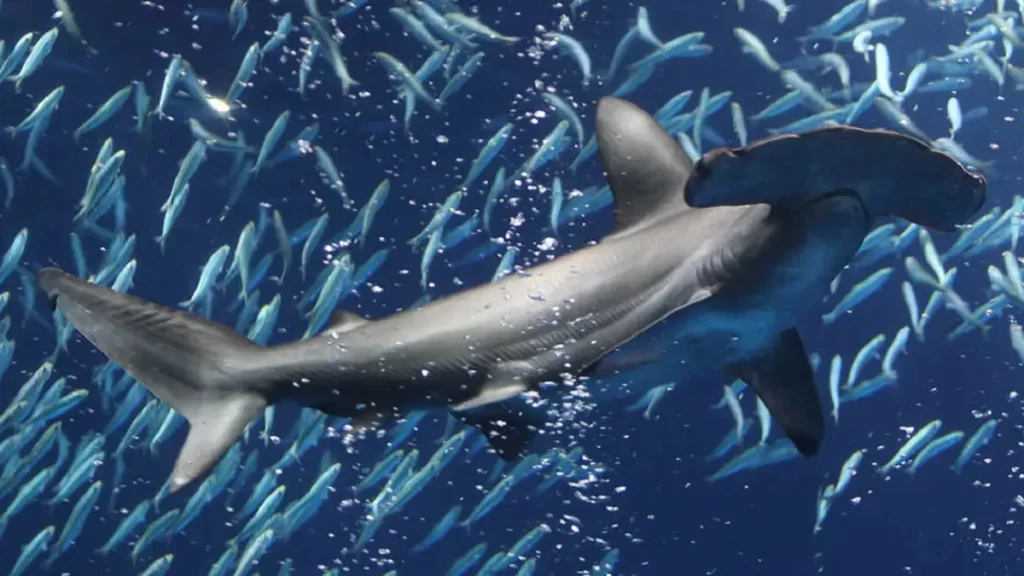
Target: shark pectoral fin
<point x="783" y="379"/>
<point x="645" y="167"/>
<point x="194" y="365"/>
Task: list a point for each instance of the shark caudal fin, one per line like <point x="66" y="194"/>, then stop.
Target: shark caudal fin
<point x="192" y="364"/>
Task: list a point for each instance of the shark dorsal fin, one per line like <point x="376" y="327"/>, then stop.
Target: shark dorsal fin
<point x="342" y="321"/>
<point x="645" y="167"/>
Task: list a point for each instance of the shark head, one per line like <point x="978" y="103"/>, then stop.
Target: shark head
<point x="892" y="174"/>
<point x="649" y="173"/>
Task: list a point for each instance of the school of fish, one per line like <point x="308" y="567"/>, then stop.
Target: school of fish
<point x="834" y="74"/>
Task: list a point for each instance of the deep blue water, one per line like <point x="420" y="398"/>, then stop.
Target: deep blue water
<point x="652" y="503"/>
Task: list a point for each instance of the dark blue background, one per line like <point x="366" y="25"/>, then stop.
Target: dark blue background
<point x="667" y="520"/>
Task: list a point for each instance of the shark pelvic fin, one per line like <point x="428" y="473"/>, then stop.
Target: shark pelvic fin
<point x="509" y="427"/>
<point x="645" y="168"/>
<point x="192" y="364"/>
<point x="782" y="377"/>
<point x="507" y="381"/>
<point x="507" y="435"/>
<point x="494" y="391"/>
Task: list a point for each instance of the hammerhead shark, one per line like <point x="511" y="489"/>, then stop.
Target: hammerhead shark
<point x="710" y="265"/>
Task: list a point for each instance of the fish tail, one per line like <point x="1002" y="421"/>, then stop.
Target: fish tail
<point x="786" y="12"/>
<point x="985" y="328"/>
<point x="194" y="365"/>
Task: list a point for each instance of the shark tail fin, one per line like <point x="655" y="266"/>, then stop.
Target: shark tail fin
<point x="194" y="365"/>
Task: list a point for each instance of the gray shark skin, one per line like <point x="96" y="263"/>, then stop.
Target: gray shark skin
<point x="712" y="288"/>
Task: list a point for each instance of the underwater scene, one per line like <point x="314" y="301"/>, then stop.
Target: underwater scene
<point x="523" y="287"/>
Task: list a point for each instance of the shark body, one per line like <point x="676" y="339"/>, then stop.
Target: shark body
<point x="719" y="287"/>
